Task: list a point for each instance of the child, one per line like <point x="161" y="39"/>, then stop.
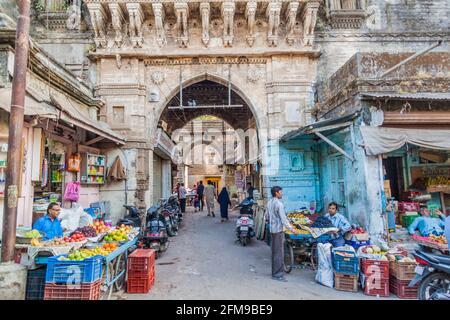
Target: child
<point x="196" y="203"/>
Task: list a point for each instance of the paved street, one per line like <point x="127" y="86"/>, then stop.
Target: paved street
<point x="204" y="262"/>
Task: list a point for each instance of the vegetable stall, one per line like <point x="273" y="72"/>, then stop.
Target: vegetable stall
<point x="88" y="263"/>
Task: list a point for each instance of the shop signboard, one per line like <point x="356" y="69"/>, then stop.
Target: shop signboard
<point x="238" y="180"/>
<point x="434" y="171"/>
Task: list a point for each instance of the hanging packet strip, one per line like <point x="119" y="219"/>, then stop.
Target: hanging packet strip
<point x="72" y="192"/>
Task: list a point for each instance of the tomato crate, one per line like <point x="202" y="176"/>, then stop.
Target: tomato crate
<point x="141" y="261"/>
<point x="140" y="275"/>
<point x="401" y="290"/>
<point x="377" y="267"/>
<point x="345" y="282"/>
<point x="376" y="287"/>
<point x="140" y="285"/>
<point x="402" y="270"/>
<point x="83" y="291"/>
<point x="35" y="284"/>
<point x="347" y="265"/>
<point x="73" y="272"/>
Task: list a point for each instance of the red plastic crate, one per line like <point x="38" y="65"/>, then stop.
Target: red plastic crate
<point x="377" y="267"/>
<point x="400" y="288"/>
<point x="140" y="285"/>
<point x="141" y="261"/>
<point x="141" y="275"/>
<point x="83" y="291"/>
<point x="376" y="287"/>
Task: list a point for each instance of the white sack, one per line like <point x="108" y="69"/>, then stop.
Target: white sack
<point x="325" y="273"/>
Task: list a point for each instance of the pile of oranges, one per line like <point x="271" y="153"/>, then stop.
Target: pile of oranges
<point x="110" y="247"/>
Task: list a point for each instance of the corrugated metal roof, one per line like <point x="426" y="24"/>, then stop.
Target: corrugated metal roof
<point x="440" y="96"/>
<point x="320" y="124"/>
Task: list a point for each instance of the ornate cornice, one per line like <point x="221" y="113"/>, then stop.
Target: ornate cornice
<point x="120" y="89"/>
<point x="205" y="60"/>
<point x="381" y="36"/>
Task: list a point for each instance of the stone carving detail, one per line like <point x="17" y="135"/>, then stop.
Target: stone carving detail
<point x="205" y="12"/>
<point x="309" y="22"/>
<point x="228" y="9"/>
<point x="158" y="10"/>
<point x="158" y="77"/>
<point x="117" y="20"/>
<point x="346" y="14"/>
<point x="250" y="12"/>
<point x="182" y="14"/>
<point x="136" y="19"/>
<point x="98" y="17"/>
<point x="118" y="61"/>
<point x="254" y="74"/>
<point x="273" y="13"/>
<point x="291" y="17"/>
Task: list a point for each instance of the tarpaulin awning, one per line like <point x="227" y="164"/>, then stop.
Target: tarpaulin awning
<point x="380" y="140"/>
<point x="117" y="171"/>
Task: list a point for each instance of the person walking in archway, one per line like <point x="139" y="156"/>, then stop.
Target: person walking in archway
<point x="182" y="194"/>
<point x="200" y="195"/>
<point x="224" y="201"/>
<point x="210" y="195"/>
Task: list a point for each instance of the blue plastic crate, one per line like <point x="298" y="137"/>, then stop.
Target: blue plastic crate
<point x="74" y="272"/>
<point x="345" y="265"/>
<point x="356" y="244"/>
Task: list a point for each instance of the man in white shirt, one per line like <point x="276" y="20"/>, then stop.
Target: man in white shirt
<point x="276" y="215"/>
<point x="182" y="193"/>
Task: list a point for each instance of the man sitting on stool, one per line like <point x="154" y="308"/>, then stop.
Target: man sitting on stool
<point x="340" y="222"/>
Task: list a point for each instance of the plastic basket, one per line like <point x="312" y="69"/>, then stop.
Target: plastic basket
<point x="140" y="285"/>
<point x="85" y="271"/>
<point x="138" y="274"/>
<point x="84" y="291"/>
<point x="35" y="284"/>
<point x="408" y="220"/>
<point x="376" y="288"/>
<point x="377" y="267"/>
<point x="141" y="262"/>
<point x="402" y="270"/>
<point x="345" y="265"/>
<point x="345" y="282"/>
<point x="401" y="290"/>
<point x="356" y="244"/>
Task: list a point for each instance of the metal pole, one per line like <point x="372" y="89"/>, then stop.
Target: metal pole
<point x="229" y="85"/>
<point x="14" y="169"/>
<point x="181" y="88"/>
<point x="411" y="58"/>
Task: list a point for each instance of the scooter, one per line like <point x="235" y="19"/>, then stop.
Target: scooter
<point x="134" y="217"/>
<point x="155" y="234"/>
<point x="245" y="224"/>
<point x="433" y="274"/>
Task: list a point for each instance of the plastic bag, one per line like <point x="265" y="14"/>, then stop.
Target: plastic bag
<point x="72" y="192"/>
<point x="325" y="273"/>
<point x="86" y="219"/>
<point x="74" y="163"/>
<point x="70" y="218"/>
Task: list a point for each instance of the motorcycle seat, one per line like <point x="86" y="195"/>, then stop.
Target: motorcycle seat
<point x="444" y="259"/>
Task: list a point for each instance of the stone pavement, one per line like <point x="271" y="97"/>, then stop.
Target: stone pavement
<point x="204" y="262"/>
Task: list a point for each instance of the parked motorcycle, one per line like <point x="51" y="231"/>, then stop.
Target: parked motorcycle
<point x="155" y="234"/>
<point x="433" y="274"/>
<point x="245" y="224"/>
<point x="134" y="217"/>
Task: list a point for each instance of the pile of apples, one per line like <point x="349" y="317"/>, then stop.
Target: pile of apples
<point x="77" y="236"/>
<point x="100" y="226"/>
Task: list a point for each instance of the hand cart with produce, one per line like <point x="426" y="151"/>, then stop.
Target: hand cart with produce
<point x="302" y="246"/>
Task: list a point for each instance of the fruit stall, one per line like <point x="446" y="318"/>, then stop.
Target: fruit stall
<point x="94" y="258"/>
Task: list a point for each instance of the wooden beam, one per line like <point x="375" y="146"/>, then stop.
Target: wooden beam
<point x="331" y="127"/>
<point x="88" y="143"/>
<point x="331" y="143"/>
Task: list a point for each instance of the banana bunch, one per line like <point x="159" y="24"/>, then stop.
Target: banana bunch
<point x="296" y="215"/>
<point x="35" y="242"/>
<point x="437" y="181"/>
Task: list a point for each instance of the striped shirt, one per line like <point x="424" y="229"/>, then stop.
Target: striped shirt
<point x="277" y="216"/>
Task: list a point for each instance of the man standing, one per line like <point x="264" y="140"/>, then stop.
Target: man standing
<point x="338" y="221"/>
<point x="277" y="218"/>
<point x="49" y="224"/>
<point x="210" y="195"/>
<point x="250" y="190"/>
<point x="200" y="194"/>
<point x="182" y="193"/>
